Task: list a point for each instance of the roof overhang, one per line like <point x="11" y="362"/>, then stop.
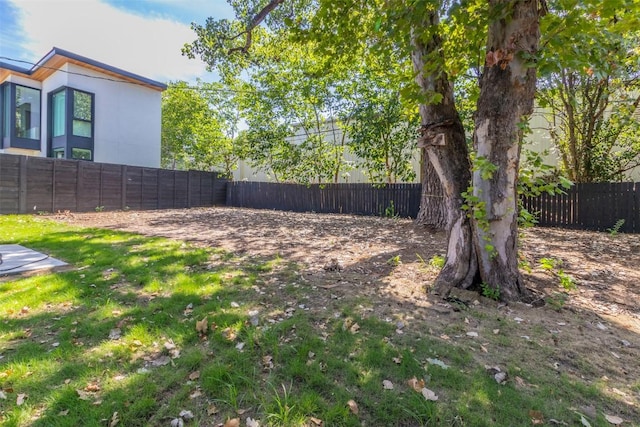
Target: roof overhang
<point x="57" y="58"/>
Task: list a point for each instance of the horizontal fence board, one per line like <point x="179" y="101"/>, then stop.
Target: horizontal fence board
<point x="38" y="184"/>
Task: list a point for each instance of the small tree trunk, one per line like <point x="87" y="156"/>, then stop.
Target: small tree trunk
<point x="507" y="90"/>
<point x="433" y="213"/>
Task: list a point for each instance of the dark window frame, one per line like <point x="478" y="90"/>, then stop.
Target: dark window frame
<point x="69" y="140"/>
<point x="12" y="140"/>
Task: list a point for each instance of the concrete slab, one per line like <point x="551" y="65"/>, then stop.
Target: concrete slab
<point x="17" y="259"/>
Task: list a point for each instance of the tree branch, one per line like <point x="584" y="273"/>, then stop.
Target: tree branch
<point x="257" y="20"/>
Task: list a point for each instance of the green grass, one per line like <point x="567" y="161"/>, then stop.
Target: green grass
<point x="56" y="347"/>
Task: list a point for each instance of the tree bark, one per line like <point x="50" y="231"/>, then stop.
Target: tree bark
<point x="483" y="247"/>
<point x="507" y="90"/>
<point x="445" y="148"/>
<point x="432" y="213"/>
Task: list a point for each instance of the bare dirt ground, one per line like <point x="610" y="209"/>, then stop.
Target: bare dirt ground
<point x="592" y="332"/>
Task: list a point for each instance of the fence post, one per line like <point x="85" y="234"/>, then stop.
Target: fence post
<point x="123" y="190"/>
<point x="636" y="208"/>
<point x="189" y="188"/>
<point x="79" y="184"/>
<point x="22" y="182"/>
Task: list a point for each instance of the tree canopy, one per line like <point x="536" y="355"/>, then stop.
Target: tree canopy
<point x="491" y="48"/>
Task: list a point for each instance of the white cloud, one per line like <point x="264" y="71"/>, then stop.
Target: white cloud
<point x="148" y="46"/>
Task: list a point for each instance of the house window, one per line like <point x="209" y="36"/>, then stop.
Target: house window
<point x="80" y="154"/>
<point x="59" y="113"/>
<point x="6" y="110"/>
<point x="82" y="117"/>
<point x="27" y="113"/>
<point x="19" y="116"/>
<point x="71" y="134"/>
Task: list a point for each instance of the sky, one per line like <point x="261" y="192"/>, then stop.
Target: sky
<point x="144" y="37"/>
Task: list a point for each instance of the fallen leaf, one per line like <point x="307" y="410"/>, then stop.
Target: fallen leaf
<point x="161" y="361"/>
<point x="560" y="423"/>
<point x="316" y="421"/>
<point x="233" y="422"/>
<point x="229" y="334"/>
<point x="353" y="406"/>
<point x="267" y="362"/>
<point x="240" y="346"/>
<point x="21" y="398"/>
<point x="520" y="382"/>
<point x="429" y="395"/>
<point x="83" y="395"/>
<point x="185" y="415"/>
<point x="472" y="334"/>
<point x="92" y="387"/>
<point x="500" y="377"/>
<point x="194" y="375"/>
<point x="536" y="417"/>
<point x="496" y="331"/>
<point x="63" y="413"/>
<point x="416" y="384"/>
<point x="613" y="419"/>
<point x="438" y="362"/>
<point x="387" y="385"/>
<point x="252" y="423"/>
<point x="397" y="360"/>
<point x="177" y="422"/>
<point x="354" y="328"/>
<point x="195" y="394"/>
<point x="114" y="420"/>
<point x="241" y="411"/>
<point x="202" y="326"/>
<point x="3" y="396"/>
<point x="584" y="421"/>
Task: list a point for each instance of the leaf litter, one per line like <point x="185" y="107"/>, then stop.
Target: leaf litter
<point x="362" y="244"/>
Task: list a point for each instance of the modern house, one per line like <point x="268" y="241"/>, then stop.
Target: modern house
<point x="72" y="107"/>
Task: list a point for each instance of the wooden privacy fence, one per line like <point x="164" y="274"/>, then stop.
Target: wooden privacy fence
<point x="36" y="184"/>
<point x="594" y="206"/>
<point x="358" y="199"/>
<point x="584" y="206"/>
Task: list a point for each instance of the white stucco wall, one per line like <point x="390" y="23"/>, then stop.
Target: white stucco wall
<point x="127" y="119"/>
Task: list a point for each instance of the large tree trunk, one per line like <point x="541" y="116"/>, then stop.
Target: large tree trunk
<point x="507" y="90"/>
<point x="445" y="147"/>
<point x="482" y="248"/>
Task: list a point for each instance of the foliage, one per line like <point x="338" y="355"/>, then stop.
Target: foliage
<point x="616" y="227"/>
<point x="437" y="261"/>
<point x="198" y="127"/>
<point x="536" y="178"/>
<point x="554" y="266"/>
<point x="491" y="292"/>
<point x="300" y="98"/>
<point x="591" y="96"/>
